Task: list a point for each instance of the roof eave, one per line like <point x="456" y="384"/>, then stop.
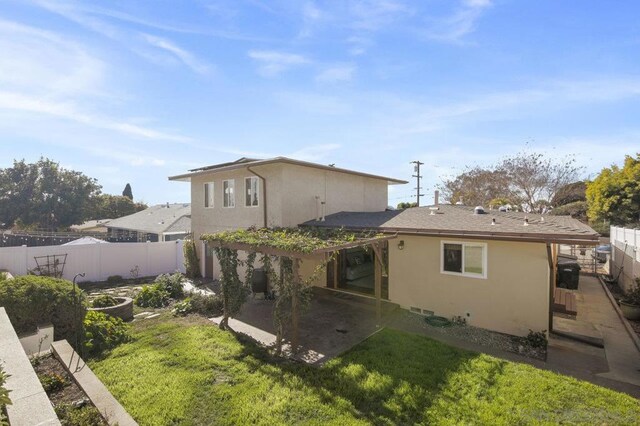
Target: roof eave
<point x="590" y="239"/>
<point x="186" y="177"/>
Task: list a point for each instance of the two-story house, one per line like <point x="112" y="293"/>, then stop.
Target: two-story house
<point x="495" y="269"/>
<point x="276" y="192"/>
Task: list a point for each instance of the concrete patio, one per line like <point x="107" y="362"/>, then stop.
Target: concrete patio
<point x="334" y="323"/>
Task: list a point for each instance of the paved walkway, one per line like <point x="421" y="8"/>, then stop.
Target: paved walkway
<point x="595" y="309"/>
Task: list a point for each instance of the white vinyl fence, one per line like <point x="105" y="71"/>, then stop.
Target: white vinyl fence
<point x="99" y="261"/>
<point x="625" y="256"/>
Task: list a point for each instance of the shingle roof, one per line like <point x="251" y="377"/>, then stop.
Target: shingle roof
<point x="461" y="221"/>
<point x="156" y="219"/>
<point x="244" y="162"/>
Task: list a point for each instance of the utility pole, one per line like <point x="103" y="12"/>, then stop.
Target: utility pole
<point x="416" y="169"/>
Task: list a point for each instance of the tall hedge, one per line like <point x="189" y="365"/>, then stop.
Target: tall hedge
<point x="33" y="300"/>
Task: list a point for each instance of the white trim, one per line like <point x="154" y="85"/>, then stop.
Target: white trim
<point x="463" y="244"/>
<point x="213" y="195"/>
<point x="257" y="188"/>
<point x="224" y="195"/>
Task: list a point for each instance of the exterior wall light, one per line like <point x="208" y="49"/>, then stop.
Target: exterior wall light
<point x="401" y="245"/>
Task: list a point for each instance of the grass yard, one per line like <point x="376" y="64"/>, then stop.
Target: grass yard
<point x="187" y="371"/>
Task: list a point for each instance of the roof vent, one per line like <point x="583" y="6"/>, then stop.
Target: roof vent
<point x="433" y="209"/>
<point x="460" y="202"/>
<point x="526" y="221"/>
<point x="493" y="221"/>
<point x="478" y="210"/>
<point x="542" y="219"/>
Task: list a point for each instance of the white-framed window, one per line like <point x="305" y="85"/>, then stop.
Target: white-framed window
<point x="251" y="191"/>
<point x="229" y="193"/>
<point x="468" y="259"/>
<point x="208" y="195"/>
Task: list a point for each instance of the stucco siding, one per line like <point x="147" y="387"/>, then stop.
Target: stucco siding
<point x="340" y="191"/>
<point x="512" y="299"/>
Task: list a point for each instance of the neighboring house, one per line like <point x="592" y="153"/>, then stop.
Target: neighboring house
<point x="91" y="226"/>
<point x="163" y="222"/>
<point x="494" y="269"/>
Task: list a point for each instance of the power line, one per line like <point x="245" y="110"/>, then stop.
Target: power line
<point x="416" y="169"/>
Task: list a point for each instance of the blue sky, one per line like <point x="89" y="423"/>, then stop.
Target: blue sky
<point x="137" y="91"/>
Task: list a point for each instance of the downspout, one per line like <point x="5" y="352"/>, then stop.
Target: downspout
<point x="551" y="285"/>
<point x="264" y="195"/>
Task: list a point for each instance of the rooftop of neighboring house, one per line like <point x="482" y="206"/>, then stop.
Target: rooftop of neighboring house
<point x="464" y="221"/>
<point x="252" y="162"/>
<point x="157" y="219"/>
<point x="90" y="224"/>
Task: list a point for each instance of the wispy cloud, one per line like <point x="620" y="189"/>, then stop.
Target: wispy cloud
<point x="336" y="73"/>
<point x="462" y="22"/>
<point x="183" y="55"/>
<point x="69" y="111"/>
<point x="374" y="14"/>
<point x="272" y="63"/>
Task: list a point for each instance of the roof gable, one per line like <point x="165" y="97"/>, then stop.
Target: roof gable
<point x="248" y="162"/>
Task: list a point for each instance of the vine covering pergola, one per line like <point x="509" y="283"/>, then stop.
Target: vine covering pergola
<point x="283" y="250"/>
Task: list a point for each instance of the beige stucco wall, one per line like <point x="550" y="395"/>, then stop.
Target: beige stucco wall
<point x="291" y="198"/>
<point x="513" y="299"/>
<point x="340" y="191"/>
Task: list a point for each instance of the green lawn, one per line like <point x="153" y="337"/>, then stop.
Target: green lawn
<point x="187" y="371"/>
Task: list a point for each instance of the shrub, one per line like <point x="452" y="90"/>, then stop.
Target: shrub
<point x="32" y="300"/>
<point x="632" y="297"/>
<point x="115" y="279"/>
<point x="83" y="416"/>
<point x="103" y="332"/>
<point x="52" y="382"/>
<point x="191" y="262"/>
<point x="208" y="305"/>
<point x="172" y="284"/>
<point x="4" y="397"/>
<point x="152" y="296"/>
<point x="537" y="339"/>
<point x="104" y="301"/>
<point x="182" y="308"/>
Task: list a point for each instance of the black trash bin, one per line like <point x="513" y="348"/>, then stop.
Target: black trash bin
<point x="568" y="273"/>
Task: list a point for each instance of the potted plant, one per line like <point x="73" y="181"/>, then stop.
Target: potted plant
<point x="630" y="303"/>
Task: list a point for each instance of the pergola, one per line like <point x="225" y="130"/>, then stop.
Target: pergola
<point x="299" y="245"/>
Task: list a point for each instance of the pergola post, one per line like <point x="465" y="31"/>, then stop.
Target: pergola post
<point x="379" y="271"/>
<point x="294" y="304"/>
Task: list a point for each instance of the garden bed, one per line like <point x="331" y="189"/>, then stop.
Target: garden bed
<point x="479" y="336"/>
<point x="71" y="404"/>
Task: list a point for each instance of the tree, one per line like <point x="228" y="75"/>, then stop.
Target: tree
<point x="44" y="195"/>
<point x="614" y="195"/>
<point x="106" y="206"/>
<point x="127" y="192"/>
<point x="406" y="205"/>
<point x="570" y="193"/>
<point x="535" y="178"/>
<point x="527" y="179"/>
<point x="477" y="187"/>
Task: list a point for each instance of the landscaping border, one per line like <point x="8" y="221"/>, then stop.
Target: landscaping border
<point x="109" y="407"/>
<point x="627" y="326"/>
<point x="30" y="404"/>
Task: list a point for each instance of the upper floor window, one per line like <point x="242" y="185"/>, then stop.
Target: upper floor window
<point x="468" y="259"/>
<point x="208" y="194"/>
<point x="251" y="191"/>
<point x="229" y="193"/>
